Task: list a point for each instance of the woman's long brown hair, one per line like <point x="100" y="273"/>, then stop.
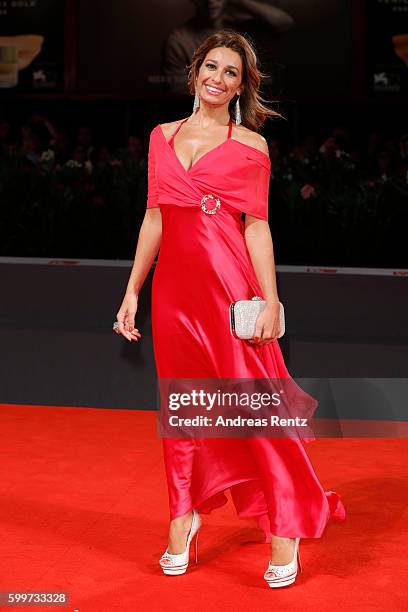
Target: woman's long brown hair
<point x="253" y="110"/>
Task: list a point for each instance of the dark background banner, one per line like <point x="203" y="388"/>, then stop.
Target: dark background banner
<point x="36" y="28"/>
<point x="137" y="48"/>
<point x="134" y="49"/>
<point x="339" y="181"/>
<point x="387" y="46"/>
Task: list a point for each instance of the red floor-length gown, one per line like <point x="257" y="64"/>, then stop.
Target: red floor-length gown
<point x="203" y="266"/>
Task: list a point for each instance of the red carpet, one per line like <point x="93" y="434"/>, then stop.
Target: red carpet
<point x="84" y="510"/>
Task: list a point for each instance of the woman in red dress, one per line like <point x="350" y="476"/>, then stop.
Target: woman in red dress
<point x="204" y="171"/>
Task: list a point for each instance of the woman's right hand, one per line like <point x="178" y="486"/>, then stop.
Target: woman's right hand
<point x="126" y="317"/>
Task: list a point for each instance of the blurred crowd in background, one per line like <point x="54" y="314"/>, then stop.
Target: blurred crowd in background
<point x="337" y="200"/>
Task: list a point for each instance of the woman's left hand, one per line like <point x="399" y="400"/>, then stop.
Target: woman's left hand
<point x="267" y="325"/>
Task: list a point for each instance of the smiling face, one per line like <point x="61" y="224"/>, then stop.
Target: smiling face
<point x="220" y="76"/>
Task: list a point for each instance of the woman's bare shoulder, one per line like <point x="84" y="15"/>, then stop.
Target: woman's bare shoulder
<point x="251" y="138"/>
<point x="168" y="128"/>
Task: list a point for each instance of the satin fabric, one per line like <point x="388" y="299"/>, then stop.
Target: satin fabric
<point x="203" y="266"/>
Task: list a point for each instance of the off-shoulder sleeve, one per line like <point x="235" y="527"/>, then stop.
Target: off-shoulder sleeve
<point x="257" y="202"/>
<point x="263" y="192"/>
<point x="152" y="187"/>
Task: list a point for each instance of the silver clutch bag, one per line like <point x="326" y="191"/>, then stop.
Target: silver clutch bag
<point x="243" y="316"/>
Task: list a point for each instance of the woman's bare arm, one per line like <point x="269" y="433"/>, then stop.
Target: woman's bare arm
<point x="148" y="245"/>
<point x="258" y="239"/>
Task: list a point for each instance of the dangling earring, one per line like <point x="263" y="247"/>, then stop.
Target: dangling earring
<point x="196" y="102"/>
<point x="238" y="119"/>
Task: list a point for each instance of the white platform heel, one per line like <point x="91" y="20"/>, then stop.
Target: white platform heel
<point x="283" y="575"/>
<point x="174" y="565"/>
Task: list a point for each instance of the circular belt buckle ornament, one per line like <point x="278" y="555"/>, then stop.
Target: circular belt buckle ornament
<point x="210" y="211"/>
